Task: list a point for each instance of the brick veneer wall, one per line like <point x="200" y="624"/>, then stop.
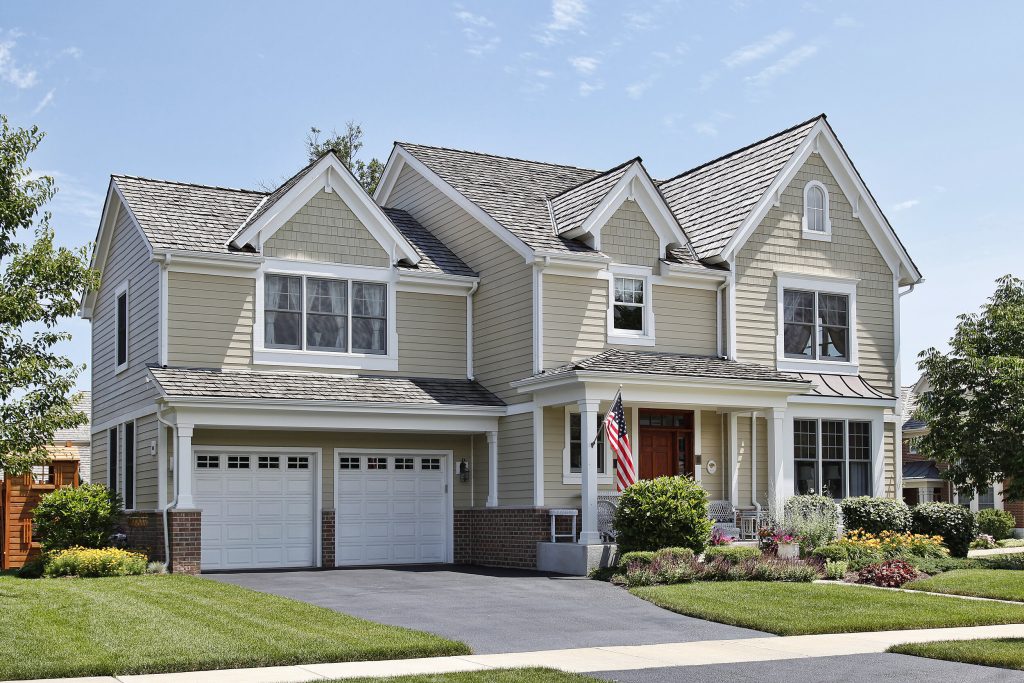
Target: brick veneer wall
<point x="185" y="541"/>
<point x="502" y="537"/>
<point x="327" y="549"/>
<point x="1016" y="508"/>
<point x="145" y="531"/>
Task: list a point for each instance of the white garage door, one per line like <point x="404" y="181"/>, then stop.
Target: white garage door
<point x="258" y="508"/>
<point x="391" y="508"/>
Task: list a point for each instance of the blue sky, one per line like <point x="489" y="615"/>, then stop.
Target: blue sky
<point x="926" y="97"/>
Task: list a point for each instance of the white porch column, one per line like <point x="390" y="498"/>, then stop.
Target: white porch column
<point x="588" y="490"/>
<point x="183" y="462"/>
<point x="780" y="467"/>
<point x="538" y="457"/>
<point x="492" y="469"/>
<point x="734" y="460"/>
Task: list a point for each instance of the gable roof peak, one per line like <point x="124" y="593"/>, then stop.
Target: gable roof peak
<point x="182" y="183"/>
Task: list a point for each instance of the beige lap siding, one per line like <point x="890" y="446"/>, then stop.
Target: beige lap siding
<point x="777" y="245"/>
<point x="747" y="450"/>
<point x="326" y="230"/>
<point x="713" y="448"/>
<point x="557" y="494"/>
<point x="515" y="460"/>
<point x="628" y="237"/>
<point x="459" y="444"/>
<point x="212" y="316"/>
<point x="503" y="305"/>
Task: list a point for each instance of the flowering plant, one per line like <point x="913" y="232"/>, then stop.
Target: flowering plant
<point x="786" y="537"/>
<point x="983" y="542"/>
<point x="893" y="544"/>
<point x="718" y="537"/>
<point x="888" y="574"/>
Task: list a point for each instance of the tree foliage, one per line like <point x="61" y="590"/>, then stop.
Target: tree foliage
<point x="975" y="408"/>
<point x="39" y="285"/>
<point x="346" y="146"/>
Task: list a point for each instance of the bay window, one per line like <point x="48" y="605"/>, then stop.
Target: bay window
<point x="325" y="314"/>
<point x="832" y="457"/>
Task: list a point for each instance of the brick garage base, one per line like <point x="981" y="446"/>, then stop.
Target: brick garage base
<point x="1016" y="508"/>
<point x="327" y="538"/>
<point x="185" y="541"/>
<point x="503" y="536"/>
<point x="145" y="531"/>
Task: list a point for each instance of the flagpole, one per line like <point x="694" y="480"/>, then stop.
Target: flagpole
<point x="618" y="396"/>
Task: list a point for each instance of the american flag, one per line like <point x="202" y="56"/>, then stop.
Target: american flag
<point x="618" y="439"/>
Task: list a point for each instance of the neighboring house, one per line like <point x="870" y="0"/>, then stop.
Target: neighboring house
<point x="312" y="377"/>
<point x="75" y="444"/>
<point x="922" y="478"/>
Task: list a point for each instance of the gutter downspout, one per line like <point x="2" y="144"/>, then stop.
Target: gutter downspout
<point x="174" y="486"/>
<point x="753" y="464"/>
<point x="469" y="329"/>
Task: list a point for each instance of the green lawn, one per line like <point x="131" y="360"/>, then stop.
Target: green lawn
<point x="1007" y="653"/>
<point x="53" y="628"/>
<point x="489" y="676"/>
<point x="789" y="609"/>
<point x="1002" y="584"/>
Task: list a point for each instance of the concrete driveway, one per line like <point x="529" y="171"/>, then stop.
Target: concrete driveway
<point x="491" y="610"/>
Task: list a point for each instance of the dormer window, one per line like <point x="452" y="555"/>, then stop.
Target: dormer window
<point x="816" y="222"/>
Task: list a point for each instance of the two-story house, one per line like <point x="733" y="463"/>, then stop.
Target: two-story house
<point x="315" y="377"/>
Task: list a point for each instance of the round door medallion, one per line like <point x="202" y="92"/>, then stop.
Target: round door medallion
<point x="712" y="466"/>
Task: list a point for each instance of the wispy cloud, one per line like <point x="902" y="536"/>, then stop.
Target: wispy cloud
<point x="903" y="206"/>
<point x="45" y="102"/>
<point x="636" y="90"/>
<point x="566" y="15"/>
<point x="584" y="65"/>
<point x="587" y="88"/>
<point x="846" y="21"/>
<point x="639" y="21"/>
<point x="19" y="77"/>
<point x="478" y="31"/>
<point x="673" y="56"/>
<point x="73" y="52"/>
<point x="758" y="50"/>
<point x="783" y="66"/>
<point x="73" y="201"/>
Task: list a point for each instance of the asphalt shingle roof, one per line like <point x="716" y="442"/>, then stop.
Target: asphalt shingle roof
<point x="681" y="365"/>
<point x="572" y="207"/>
<point x="306" y="386"/>
<point x="712" y="200"/>
<point x="204" y="218"/>
<point x="842" y="386"/>
<point x="909" y="399"/>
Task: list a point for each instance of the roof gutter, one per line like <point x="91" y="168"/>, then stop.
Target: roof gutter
<point x="782" y="386"/>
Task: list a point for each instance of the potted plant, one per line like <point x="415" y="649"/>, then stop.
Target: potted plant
<point x="788" y="545"/>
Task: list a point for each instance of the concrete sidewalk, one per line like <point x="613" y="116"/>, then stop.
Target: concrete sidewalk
<point x="590" y="659"/>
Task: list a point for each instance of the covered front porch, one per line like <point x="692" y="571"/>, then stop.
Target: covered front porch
<point x="720" y="422"/>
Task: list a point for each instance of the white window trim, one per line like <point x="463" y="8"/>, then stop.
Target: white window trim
<point x="122" y="289"/>
<point x="825" y="236"/>
<point x="327" y="359"/>
<point x="627" y="337"/>
<point x="570" y="477"/>
<point x="819" y="462"/>
<point x="820" y="285"/>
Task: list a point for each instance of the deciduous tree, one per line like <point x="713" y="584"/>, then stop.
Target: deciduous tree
<point x="346" y="145"/>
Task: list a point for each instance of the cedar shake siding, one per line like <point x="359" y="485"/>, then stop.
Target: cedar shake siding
<point x="628" y="237"/>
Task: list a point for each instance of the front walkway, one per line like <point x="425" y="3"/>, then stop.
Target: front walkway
<point x="597" y="659"/>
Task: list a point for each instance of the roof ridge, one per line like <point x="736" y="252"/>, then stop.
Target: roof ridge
<point x="497" y="156"/>
<point x="741" y="149"/>
<point x="188" y="184"/>
<point x="602" y="174"/>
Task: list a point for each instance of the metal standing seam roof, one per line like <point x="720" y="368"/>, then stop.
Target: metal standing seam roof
<point x="922" y="469"/>
<point x="673" y="364"/>
<point x="842" y="386"/>
<point x="183" y="383"/>
<point x="204" y="218"/>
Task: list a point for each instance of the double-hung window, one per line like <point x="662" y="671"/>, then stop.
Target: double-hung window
<point x="832" y="457"/>
<point x="325" y="314"/>
<point x="816" y="326"/>
<point x="576" y="445"/>
<point x="628" y="308"/>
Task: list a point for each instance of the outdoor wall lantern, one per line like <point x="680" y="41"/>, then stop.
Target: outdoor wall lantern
<point x="463" y="470"/>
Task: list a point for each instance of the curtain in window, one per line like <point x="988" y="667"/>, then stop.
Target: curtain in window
<point x="369" y="318"/>
<point x="326" y="319"/>
<point x="834" y="319"/>
<point x="283" y="312"/>
<point x="860" y="478"/>
<point x="798" y="314"/>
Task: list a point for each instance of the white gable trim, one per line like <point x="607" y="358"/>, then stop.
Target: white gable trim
<point x="112" y="207"/>
<point x="401" y="157"/>
<point x="330" y="175"/>
<point x="822" y="140"/>
<point x="634" y="184"/>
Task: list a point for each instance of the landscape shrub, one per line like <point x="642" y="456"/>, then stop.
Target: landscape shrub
<point x="667" y="512"/>
<point x="891" y="544"/>
<point x="939" y="565"/>
<point x="1009" y="561"/>
<point x="33" y="569"/>
<point x="999" y="524"/>
<point x="1011" y="543"/>
<point x="875" y="515"/>
<point x="636" y="557"/>
<point x="772" y="569"/>
<point x="670" y="571"/>
<point x="673" y="554"/>
<point x="956" y="525"/>
<point x="813" y="518"/>
<point x="983" y="542"/>
<point x="95" y="562"/>
<point x="836" y="569"/>
<point x="666" y="571"/>
<point x="77" y="517"/>
<point x="733" y="554"/>
<point x="833" y="552"/>
<point x="888" y="574"/>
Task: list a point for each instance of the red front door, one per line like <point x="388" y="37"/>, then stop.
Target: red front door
<point x="658" y="455"/>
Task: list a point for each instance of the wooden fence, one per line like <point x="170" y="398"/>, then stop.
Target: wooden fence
<point x="18" y="498"/>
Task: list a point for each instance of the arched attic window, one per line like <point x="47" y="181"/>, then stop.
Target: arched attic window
<point x="816" y="223"/>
